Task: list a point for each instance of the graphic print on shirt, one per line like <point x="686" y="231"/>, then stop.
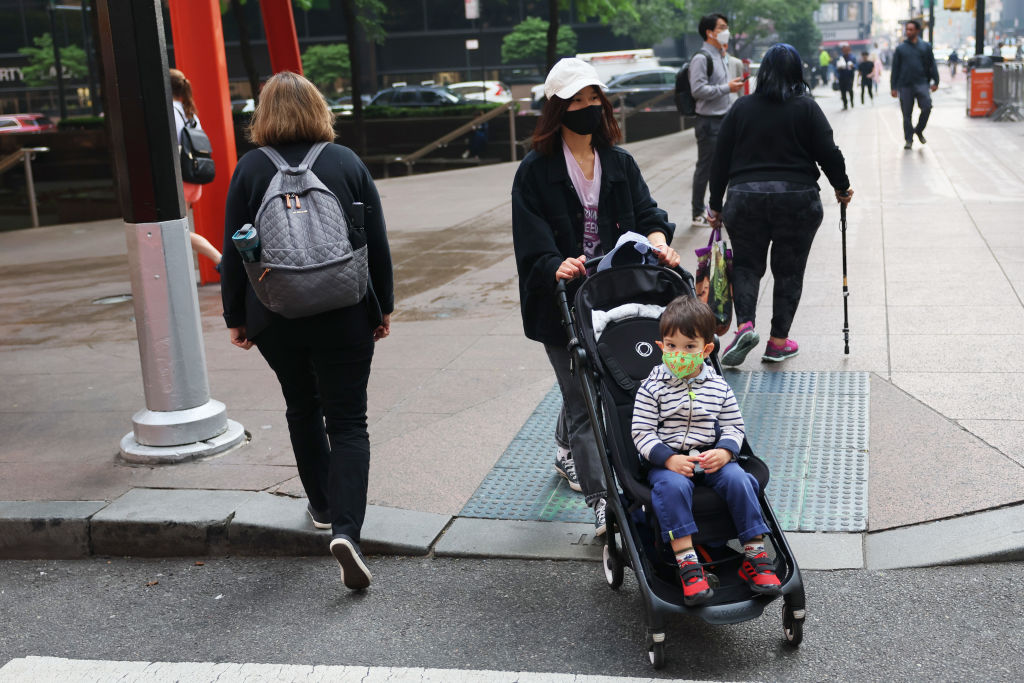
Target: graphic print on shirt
<point x="591" y="240"/>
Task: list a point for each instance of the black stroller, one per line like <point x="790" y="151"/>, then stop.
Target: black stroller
<point x="610" y="370"/>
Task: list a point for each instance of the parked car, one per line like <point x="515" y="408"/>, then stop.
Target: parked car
<point x="417" y="96"/>
<point x="343" y="105"/>
<point x="25" y="123"/>
<point x="640" y="86"/>
<point x="491" y="91"/>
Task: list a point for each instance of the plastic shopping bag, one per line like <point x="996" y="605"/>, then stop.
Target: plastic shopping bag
<point x="713" y="279"/>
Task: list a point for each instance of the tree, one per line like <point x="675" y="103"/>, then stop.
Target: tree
<point x="653" y="21"/>
<point x="605" y="11"/>
<point x="41" y="70"/>
<point x="528" y="41"/>
<point x="797" y="27"/>
<point x="748" y="19"/>
<point x="364" y="15"/>
<point x="325" y="64"/>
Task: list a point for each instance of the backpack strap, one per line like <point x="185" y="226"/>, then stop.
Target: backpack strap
<point x="311" y="156"/>
<point x="304" y="165"/>
<point x="276" y="158"/>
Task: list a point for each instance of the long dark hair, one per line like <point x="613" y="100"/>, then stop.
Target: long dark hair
<point x="781" y="75"/>
<point x="548" y="131"/>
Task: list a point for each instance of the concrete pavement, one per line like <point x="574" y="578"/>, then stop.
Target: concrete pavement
<point x="936" y="271"/>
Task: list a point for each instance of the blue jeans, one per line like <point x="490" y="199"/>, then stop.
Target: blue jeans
<point x="922" y="94"/>
<point x="672" y="495"/>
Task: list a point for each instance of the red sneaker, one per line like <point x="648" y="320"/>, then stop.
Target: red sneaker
<point x="759" y="573"/>
<point x="696" y="590"/>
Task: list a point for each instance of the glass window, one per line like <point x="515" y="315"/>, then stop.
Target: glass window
<point x="852" y="11"/>
<point x="385" y="97"/>
<point x="829" y="13"/>
<point x="404" y="97"/>
<point x="430" y="97"/>
<point x="8" y="123"/>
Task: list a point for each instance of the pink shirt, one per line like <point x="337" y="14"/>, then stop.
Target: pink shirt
<point x="589" y="192"/>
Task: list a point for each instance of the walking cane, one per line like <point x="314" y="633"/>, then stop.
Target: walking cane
<point x="846" y="289"/>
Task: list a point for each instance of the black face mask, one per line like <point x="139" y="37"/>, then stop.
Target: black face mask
<point x="584" y="121"/>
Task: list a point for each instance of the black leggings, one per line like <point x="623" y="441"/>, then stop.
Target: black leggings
<point x="779" y="215"/>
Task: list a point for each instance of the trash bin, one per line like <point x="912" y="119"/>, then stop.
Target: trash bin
<point x="979" y="86"/>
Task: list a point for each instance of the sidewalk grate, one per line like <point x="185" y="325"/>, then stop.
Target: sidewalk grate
<point x="810" y="427"/>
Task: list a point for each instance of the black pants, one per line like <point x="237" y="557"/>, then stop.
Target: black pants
<point x="706" y="130"/>
<point x="323" y="371"/>
<point x="786" y="220"/>
<point x="867" y="85"/>
<point x="846" y="90"/>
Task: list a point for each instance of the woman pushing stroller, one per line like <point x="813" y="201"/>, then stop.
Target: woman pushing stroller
<point x="574" y="194"/>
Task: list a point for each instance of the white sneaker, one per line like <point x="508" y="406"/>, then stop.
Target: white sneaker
<point x="700" y="221"/>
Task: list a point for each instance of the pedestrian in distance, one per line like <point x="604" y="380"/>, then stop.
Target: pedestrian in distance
<point x="574" y="194"/>
<point x="876" y="75"/>
<point x="714" y="97"/>
<point x="185" y="114"/>
<point x="866" y="69"/>
<point x="846" y="68"/>
<point x="768" y="155"/>
<point x="688" y="426"/>
<point x="913" y="78"/>
<point x="322" y="361"/>
<point x="953" y="60"/>
<point x="824" y="63"/>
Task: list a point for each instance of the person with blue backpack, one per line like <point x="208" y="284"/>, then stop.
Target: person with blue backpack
<point x="307" y="279"/>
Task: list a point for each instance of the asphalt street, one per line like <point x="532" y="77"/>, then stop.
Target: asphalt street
<point x="960" y="623"/>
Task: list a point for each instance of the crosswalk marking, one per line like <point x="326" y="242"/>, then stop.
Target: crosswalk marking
<point x="54" y="669"/>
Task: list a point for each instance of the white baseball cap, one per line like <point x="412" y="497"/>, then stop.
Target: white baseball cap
<point x="569" y="76"/>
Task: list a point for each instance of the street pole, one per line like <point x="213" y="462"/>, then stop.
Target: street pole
<point x="180" y="421"/>
<point x="931" y="22"/>
<point x="58" y="68"/>
<point x="90" y="58"/>
<point x="979" y="28"/>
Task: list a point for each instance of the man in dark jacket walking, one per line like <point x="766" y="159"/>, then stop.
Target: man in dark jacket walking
<point x="913" y="73"/>
<point x="846" y="69"/>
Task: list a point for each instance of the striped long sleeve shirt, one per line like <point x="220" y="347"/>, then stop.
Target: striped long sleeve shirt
<point x="672" y="415"/>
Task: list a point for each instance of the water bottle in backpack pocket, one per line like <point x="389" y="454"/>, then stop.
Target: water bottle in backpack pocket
<point x="311" y="258"/>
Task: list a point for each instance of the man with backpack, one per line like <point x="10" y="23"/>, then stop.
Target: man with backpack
<point x="707" y="86"/>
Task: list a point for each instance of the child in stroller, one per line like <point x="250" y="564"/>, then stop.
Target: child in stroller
<point x="687" y="425"/>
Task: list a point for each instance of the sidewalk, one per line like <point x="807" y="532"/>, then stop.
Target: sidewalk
<point x="936" y="273"/>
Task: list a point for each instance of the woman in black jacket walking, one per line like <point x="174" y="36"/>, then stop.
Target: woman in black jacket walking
<point x="768" y="152"/>
<point x="322" y="361"/>
<point x="573" y="195"/>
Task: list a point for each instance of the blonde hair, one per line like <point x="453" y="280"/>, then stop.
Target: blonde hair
<point x="291" y="109"/>
<point x="181" y="89"/>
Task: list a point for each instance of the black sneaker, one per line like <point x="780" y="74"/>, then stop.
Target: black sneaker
<point x="321" y="519"/>
<point x="920" y="136"/>
<point x="600" y="519"/>
<point x="909" y="144"/>
<point x="354" y="573"/>
<point x="565" y="466"/>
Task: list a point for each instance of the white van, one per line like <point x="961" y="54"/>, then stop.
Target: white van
<point x="609" y="64"/>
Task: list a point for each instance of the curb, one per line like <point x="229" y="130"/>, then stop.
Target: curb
<point x="197" y="522"/>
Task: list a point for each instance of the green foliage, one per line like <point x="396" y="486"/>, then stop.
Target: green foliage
<point x="528" y="41"/>
<point x="325" y="64"/>
<point x="797" y="27"/>
<point x="81" y="123"/>
<point x="652" y="21"/>
<point x="41" y="64"/>
<point x="382" y="112"/>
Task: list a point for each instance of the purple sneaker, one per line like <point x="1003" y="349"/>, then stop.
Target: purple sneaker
<point x="777" y="354"/>
<point x="745" y="340"/>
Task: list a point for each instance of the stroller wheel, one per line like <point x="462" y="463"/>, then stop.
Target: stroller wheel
<point x="792" y="627"/>
<point x="613" y="570"/>
<point x="656" y="652"/>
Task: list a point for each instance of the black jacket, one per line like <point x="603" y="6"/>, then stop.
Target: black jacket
<point x="763" y="139"/>
<point x="913" y="64"/>
<point x="347" y="177"/>
<point x="547" y="226"/>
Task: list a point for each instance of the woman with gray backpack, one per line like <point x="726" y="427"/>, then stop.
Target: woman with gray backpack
<point x="307" y="279"/>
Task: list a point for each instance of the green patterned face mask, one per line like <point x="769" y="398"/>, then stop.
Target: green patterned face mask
<point x="681" y="364"/>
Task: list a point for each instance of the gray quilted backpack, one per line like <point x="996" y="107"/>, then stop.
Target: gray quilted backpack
<point x="307" y="263"/>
